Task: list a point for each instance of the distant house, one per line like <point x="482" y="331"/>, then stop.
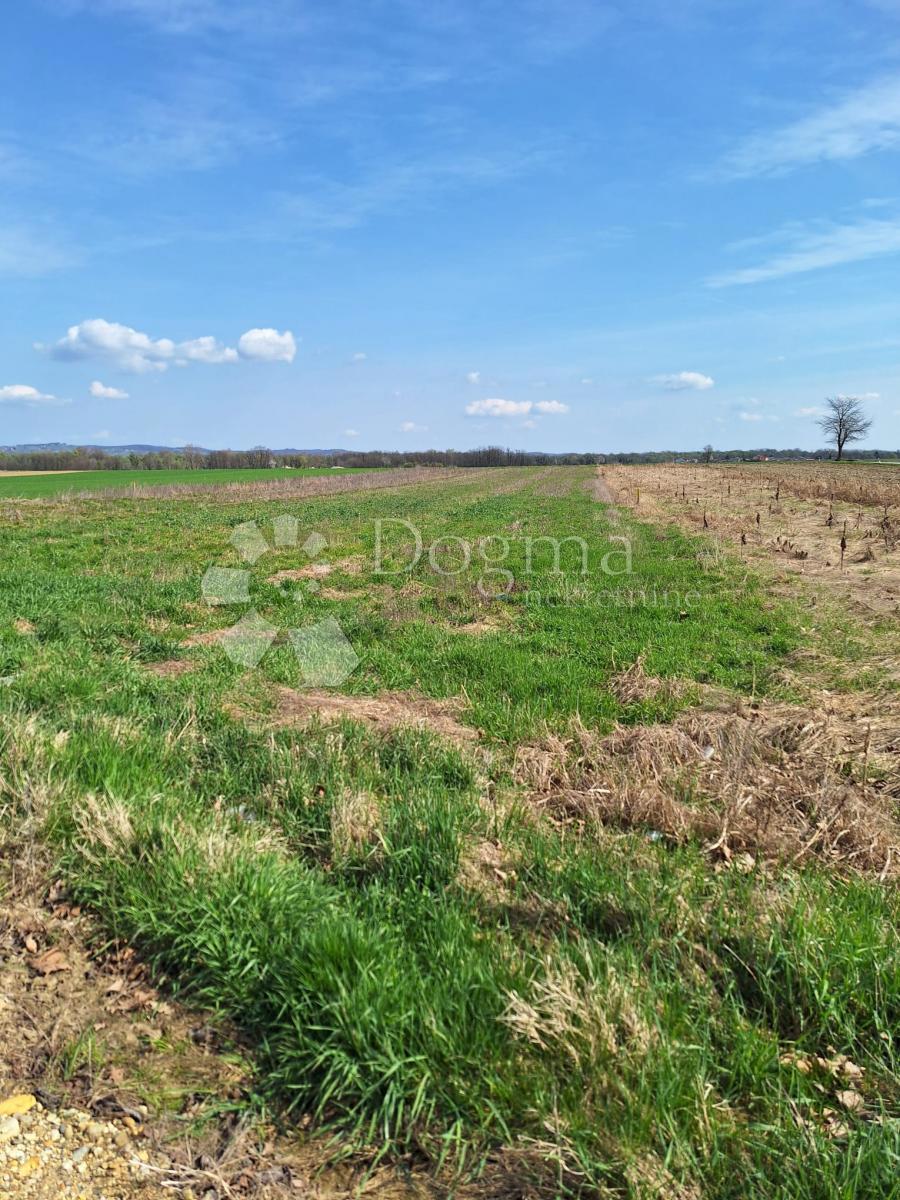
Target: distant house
<point x="760" y="458"/>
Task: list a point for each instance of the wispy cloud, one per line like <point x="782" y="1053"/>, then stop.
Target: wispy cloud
<point x="815" y="247"/>
<point x="194" y="16"/>
<point x="683" y="381"/>
<point x="859" y="122"/>
<point x="30" y="253"/>
<point x="328" y="206"/>
<point x="412" y="427"/>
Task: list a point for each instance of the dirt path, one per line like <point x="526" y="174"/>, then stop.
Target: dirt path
<point x="602" y="492"/>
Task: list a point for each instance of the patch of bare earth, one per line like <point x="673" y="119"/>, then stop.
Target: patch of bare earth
<point x="310" y="571"/>
<point x="389" y="710"/>
<point x="171" y="668"/>
<point x="600" y="488"/>
<point x="764" y="780"/>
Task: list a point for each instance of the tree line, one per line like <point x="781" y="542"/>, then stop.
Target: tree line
<point x="193" y="458"/>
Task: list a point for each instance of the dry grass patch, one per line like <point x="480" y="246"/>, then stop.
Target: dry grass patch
<point x="171" y="668"/>
<point x="770" y="780"/>
<point x="311" y="571"/>
<point x="356" y="827"/>
<point x="389" y="710"/>
<point x="634" y="685"/>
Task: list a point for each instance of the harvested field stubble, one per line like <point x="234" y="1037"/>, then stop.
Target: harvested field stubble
<point x="837" y="525"/>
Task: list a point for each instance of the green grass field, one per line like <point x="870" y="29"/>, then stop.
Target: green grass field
<point x="48" y="484"/>
<point x="426" y="958"/>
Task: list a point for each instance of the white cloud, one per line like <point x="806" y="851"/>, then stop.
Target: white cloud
<point x="119" y="344"/>
<point x="102" y="435"/>
<point x="587" y="382"/>
<point x="412" y="427"/>
<point x="359" y="357"/>
<point x="862" y="121"/>
<point x="352" y="433"/>
<point x="205" y="350"/>
<point x="751" y="416"/>
<point x="686" y="381"/>
<point x="102" y="392"/>
<point x="268" y="345"/>
<point x="811" y="411"/>
<point x="495" y="407"/>
<point x="131" y="350"/>
<point x="21" y="393"/>
<point x="813" y="248"/>
<point x="473" y="377"/>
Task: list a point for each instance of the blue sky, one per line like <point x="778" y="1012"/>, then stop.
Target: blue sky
<point x="551" y="224"/>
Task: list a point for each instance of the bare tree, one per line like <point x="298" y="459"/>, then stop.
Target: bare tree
<point x="844" y="421"/>
<point x="707" y="453"/>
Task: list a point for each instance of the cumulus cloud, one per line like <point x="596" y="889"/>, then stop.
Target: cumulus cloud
<point x="683" y="381"/>
<point x="268" y="345"/>
<point x="205" y="350"/>
<point x="412" y="427"/>
<point x="119" y="344"/>
<point x="21" y="393"/>
<point x="473" y="377"/>
<point x="102" y="392"/>
<point x="131" y="350"/>
<point x="494" y="406"/>
<point x="351" y="433"/>
<point x="497" y="407"/>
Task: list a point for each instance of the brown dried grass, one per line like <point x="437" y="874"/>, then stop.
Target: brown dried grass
<point x="388" y="710"/>
<point x="771" y="780"/>
<point x="280" y="488"/>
